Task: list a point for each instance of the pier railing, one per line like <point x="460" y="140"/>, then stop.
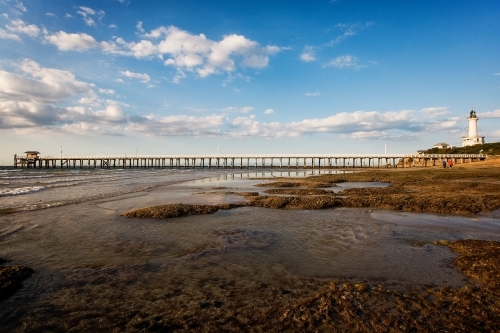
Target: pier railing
<point x="241" y="160"/>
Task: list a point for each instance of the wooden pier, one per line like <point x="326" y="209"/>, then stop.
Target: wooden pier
<point x="242" y="161"/>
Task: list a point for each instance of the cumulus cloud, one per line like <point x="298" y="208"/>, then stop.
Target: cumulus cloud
<point x="77" y="42"/>
<point x="182" y="50"/>
<point x="435" y="111"/>
<point x="307" y="57"/>
<point x="490" y="114"/>
<point x="143" y="77"/>
<point x="112" y="113"/>
<point x="20" y="27"/>
<point x="359" y="121"/>
<point x="33" y="99"/>
<point x="45" y="85"/>
<point x="43" y="97"/>
<point x="200" y="54"/>
<point x="7" y="35"/>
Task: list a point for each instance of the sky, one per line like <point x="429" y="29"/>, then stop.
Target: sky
<point x="114" y="77"/>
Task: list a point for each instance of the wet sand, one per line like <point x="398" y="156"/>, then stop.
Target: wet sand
<point x="254" y="268"/>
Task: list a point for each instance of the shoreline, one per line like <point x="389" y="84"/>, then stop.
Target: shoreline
<point x="230" y="300"/>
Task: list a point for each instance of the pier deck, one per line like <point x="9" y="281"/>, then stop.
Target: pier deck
<point x="243" y="161"/>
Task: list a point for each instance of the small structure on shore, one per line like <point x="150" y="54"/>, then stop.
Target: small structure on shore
<point x="442" y="145"/>
<point x="473" y="139"/>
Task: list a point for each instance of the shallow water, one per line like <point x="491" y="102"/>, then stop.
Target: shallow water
<point x="92" y="265"/>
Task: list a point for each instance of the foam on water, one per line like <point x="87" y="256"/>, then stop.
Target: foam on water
<point x="6" y="192"/>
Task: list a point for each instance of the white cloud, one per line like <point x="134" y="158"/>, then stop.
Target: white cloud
<point x="139" y="27"/>
<point x="490" y="114"/>
<point x="31" y="99"/>
<point x="245" y="109"/>
<point x="180" y="125"/>
<point x="106" y="91"/>
<point x="143" y="77"/>
<point x="435" y="111"/>
<point x="7" y="35"/>
<point x="313" y="94"/>
<point x="269" y="111"/>
<point x="84" y="11"/>
<point x="496" y="74"/>
<point x="44" y="85"/>
<point x="5" y="15"/>
<point x="119" y="80"/>
<point x="346" y="61"/>
<point x="370" y="135"/>
<point x="20" y="27"/>
<point x="113" y="26"/>
<point x="184" y="51"/>
<point x="68" y="15"/>
<point x="88" y="15"/>
<point x="50" y="14"/>
<point x="21" y="7"/>
<point x="179" y="75"/>
<point x="349" y="30"/>
<point x="77" y="42"/>
<point x="111" y="114"/>
<point x="307" y="57"/>
<point x="343" y="123"/>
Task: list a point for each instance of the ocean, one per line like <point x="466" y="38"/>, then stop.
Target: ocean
<point x="98" y="271"/>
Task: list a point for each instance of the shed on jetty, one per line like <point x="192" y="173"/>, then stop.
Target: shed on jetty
<point x="29" y="161"/>
<point x="31" y="154"/>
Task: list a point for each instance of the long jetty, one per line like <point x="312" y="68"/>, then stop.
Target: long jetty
<point x="243" y="161"/>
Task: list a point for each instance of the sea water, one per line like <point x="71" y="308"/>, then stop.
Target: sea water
<point x="90" y="262"/>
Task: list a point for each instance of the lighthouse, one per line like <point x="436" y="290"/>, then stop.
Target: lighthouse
<point x="473" y="139"/>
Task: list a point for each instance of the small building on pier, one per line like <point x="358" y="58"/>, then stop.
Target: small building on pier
<point x="31" y="155"/>
<point x="29" y="161"/>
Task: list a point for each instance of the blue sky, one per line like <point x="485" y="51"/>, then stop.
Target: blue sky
<point x="180" y="77"/>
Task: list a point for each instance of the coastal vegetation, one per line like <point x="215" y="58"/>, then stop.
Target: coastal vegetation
<point x="487" y="148"/>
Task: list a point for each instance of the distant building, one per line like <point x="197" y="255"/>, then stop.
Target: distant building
<point x="473" y="139"/>
<point x="31" y="155"/>
<point x="442" y="145"/>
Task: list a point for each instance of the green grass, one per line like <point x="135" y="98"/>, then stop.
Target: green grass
<point x="487" y="148"/>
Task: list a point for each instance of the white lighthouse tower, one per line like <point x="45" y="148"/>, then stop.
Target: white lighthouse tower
<point x="473" y="138"/>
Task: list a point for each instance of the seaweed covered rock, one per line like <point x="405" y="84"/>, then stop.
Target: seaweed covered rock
<point x="11" y="279"/>
<point x="177" y="210"/>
